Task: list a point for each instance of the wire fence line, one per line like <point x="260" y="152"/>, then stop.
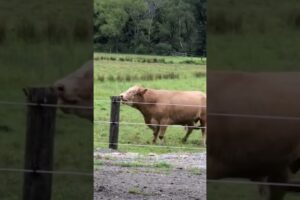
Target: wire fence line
<point x="76" y="173"/>
<point x="143" y="124"/>
<point x="89" y="107"/>
<point x="152" y="146"/>
<point x="275" y="117"/>
<point x="295" y="183"/>
<point x="45" y="105"/>
<point x="153" y="103"/>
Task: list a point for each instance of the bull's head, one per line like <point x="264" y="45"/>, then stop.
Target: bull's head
<point x="75" y="92"/>
<point x="133" y="95"/>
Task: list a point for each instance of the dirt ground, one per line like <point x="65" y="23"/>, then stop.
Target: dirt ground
<point x="179" y="176"/>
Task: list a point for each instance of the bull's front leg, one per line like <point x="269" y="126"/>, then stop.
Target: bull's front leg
<point x="155" y="128"/>
<point x="162" y="129"/>
<point x="155" y="134"/>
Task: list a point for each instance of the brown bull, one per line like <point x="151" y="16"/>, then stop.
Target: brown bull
<point x="254" y="127"/>
<point x="161" y="108"/>
<point x="75" y="92"/>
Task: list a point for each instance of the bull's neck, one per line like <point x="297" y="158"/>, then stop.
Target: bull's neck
<point x="147" y="103"/>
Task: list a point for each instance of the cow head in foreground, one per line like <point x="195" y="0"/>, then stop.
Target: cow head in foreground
<point x="161" y="108"/>
<point x="75" y="92"/>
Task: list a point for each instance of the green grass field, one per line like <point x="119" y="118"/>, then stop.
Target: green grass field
<point x="151" y="75"/>
<point x="29" y="56"/>
<point x="19" y="69"/>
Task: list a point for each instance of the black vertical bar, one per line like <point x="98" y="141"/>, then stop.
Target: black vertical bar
<point x="114" y="122"/>
<point x="39" y="143"/>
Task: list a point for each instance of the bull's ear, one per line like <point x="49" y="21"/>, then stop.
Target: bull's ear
<point x="143" y="91"/>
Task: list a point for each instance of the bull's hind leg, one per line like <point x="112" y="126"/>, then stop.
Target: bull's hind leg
<point x="276" y="192"/>
<point x="188" y="132"/>
<point x="161" y="134"/>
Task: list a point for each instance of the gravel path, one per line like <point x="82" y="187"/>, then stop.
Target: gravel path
<point x="179" y="176"/>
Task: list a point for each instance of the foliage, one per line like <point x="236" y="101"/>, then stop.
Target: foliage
<point x="150" y="26"/>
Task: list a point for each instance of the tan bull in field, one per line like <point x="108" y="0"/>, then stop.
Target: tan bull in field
<point x="161" y="108"/>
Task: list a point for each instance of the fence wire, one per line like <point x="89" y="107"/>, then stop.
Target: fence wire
<point x="145" y="124"/>
<point x="294" y="183"/>
<point x="76" y="173"/>
<point x="45" y="105"/>
<point x="152" y="146"/>
<point x="152" y="103"/>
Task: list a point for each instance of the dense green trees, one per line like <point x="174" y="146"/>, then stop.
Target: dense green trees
<point x="150" y="26"/>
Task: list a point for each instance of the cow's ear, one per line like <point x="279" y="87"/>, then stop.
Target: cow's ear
<point x="143" y="91"/>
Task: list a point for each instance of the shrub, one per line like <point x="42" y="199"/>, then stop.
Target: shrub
<point x="111" y="78"/>
<point x="141" y="49"/>
<point x="199" y="74"/>
<point x="101" y="78"/>
<point x="128" y="59"/>
<point x="158" y="76"/>
<point x="26" y="31"/>
<point x="163" y="49"/>
<point x="54" y="32"/>
<point x="128" y="78"/>
<point x="147" y="77"/>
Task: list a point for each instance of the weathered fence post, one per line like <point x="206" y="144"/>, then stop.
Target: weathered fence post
<point x="39" y="143"/>
<point x="114" y="122"/>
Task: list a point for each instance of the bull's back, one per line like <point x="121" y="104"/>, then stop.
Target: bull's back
<point x="179" y="106"/>
<point x="181" y="97"/>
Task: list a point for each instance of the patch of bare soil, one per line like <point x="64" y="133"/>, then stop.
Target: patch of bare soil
<point x="179" y="176"/>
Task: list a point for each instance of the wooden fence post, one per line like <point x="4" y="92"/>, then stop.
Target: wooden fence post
<point x="114" y="122"/>
<point x="39" y="143"/>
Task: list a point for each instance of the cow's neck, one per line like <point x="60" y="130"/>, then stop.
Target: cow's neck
<point x="146" y="109"/>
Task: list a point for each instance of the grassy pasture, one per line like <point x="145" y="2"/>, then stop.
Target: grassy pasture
<point x="21" y="67"/>
<point x="186" y="77"/>
<point x="36" y="49"/>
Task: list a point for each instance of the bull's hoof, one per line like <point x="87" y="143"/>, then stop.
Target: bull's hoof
<point x="162" y="142"/>
<point x="161" y="137"/>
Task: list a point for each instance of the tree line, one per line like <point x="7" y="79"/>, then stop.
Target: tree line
<point x="150" y="26"/>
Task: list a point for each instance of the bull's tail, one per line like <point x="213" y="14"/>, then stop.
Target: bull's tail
<point x="195" y="126"/>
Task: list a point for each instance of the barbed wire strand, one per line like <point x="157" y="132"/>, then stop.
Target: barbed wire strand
<point x="143" y="124"/>
<point x="278" y="117"/>
<point x="45" y="105"/>
<point x="89" y="107"/>
<point x="46" y="171"/>
<point x="149" y="103"/>
<point x="255" y="182"/>
<point x="254" y="116"/>
<point x="152" y="146"/>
